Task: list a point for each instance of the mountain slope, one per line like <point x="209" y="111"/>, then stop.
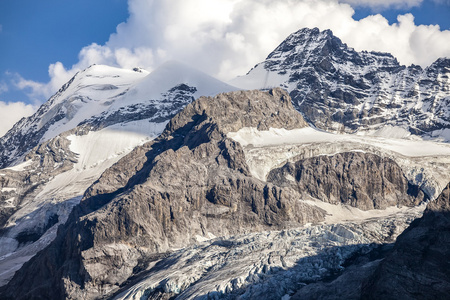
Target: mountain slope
<point x="81" y="97"/>
<point x="339" y="89"/>
<point x="416" y="266"/>
<point x="93" y="121"/>
<point x="190" y="184"/>
<point x="169" y="191"/>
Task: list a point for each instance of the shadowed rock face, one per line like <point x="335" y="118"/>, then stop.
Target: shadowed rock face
<point x="363" y="180"/>
<point x="192" y="181"/>
<point x="419" y="266"/>
<point x="415" y="267"/>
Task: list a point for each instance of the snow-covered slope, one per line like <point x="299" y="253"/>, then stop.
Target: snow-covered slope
<point x="339" y="89"/>
<point x="101" y="96"/>
<point x="94" y="120"/>
<point x="85" y="95"/>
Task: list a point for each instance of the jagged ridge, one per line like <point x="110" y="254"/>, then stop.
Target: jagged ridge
<point x="339" y="89"/>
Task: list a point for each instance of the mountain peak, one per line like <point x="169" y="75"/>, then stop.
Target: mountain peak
<point x="338" y="88"/>
<point x="441" y="64"/>
<point x="304" y="39"/>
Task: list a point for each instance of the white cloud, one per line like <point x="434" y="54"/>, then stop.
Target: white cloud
<point x="225" y="38"/>
<point x="3" y="87"/>
<point x="383" y="4"/>
<point x="12" y="112"/>
<point x="38" y="90"/>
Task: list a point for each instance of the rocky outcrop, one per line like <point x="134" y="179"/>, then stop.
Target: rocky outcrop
<point x="363" y="180"/>
<point x="28" y="218"/>
<point x="192" y="182"/>
<point x="20" y="185"/>
<point x="419" y="266"/>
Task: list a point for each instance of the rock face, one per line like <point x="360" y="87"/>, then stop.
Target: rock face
<point x="419" y="266"/>
<point x="190" y="182"/>
<point x="18" y="186"/>
<point x="339" y="89"/>
<point x="363" y="180"/>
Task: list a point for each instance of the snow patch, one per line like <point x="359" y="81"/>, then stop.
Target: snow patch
<point x="275" y="136"/>
<point x="389" y="131"/>
<point x="260" y="78"/>
<point x="21" y="166"/>
<point x="337" y="214"/>
<point x="109" y="143"/>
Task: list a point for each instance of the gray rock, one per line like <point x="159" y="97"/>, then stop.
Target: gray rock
<point x="363" y="180"/>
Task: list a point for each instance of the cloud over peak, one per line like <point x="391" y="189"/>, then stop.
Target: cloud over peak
<point x="12" y="112"/>
<point x="225" y="38"/>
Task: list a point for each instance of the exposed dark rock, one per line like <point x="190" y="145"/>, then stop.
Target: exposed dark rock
<point x="419" y="265"/>
<point x="363" y="180"/>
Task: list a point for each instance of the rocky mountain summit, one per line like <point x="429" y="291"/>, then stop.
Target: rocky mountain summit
<point x="339" y="89"/>
<point x="190" y="184"/>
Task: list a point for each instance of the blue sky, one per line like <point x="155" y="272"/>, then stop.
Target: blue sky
<point x="428" y="12"/>
<point x="35" y="34"/>
<point x="43" y="43"/>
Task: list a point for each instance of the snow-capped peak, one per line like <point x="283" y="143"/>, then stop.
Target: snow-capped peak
<point x="339" y="89"/>
<point x="102" y="95"/>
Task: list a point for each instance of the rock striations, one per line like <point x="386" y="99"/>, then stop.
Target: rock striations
<point x="362" y="180"/>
